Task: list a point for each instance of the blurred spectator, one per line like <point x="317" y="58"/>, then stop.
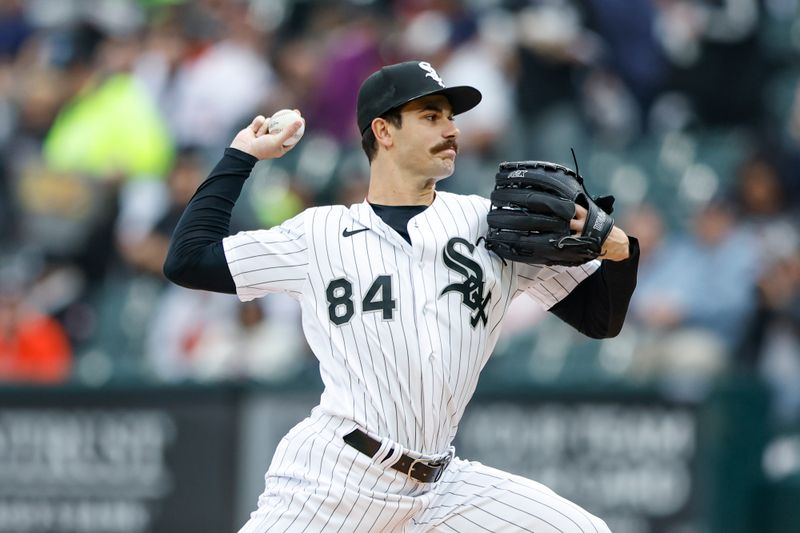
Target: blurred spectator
<point x="110" y="129"/>
<point x="14" y="28"/>
<point x="631" y="49"/>
<point x="349" y="54"/>
<point x="178" y="316"/>
<point x="694" y="302"/>
<point x="706" y="278"/>
<point x="146" y="249"/>
<point x="628" y="71"/>
<point x="554" y="42"/>
<point x="772" y="343"/>
<point x="209" y="75"/>
<point x="715" y="53"/>
<point x="199" y="335"/>
<point x="774" y="336"/>
<point x="176" y="326"/>
<point x="250" y="344"/>
<point x="764" y="208"/>
<point x="648" y="222"/>
<point x="297" y="63"/>
<point x="571" y="82"/>
<point x="204" y="336"/>
<point x="33" y="346"/>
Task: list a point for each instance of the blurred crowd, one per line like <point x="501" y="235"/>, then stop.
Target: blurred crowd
<point x="112" y="112"/>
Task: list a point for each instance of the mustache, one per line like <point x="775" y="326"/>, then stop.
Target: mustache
<point x="446" y="145"/>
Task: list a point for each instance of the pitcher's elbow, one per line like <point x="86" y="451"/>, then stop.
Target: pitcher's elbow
<point x="172" y="269"/>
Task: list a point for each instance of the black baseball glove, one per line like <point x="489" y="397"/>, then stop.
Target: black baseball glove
<point x="532" y="205"/>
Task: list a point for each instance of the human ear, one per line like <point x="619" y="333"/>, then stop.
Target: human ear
<point x="382" y="132"/>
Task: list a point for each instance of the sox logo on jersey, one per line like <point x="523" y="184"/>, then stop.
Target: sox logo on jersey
<point x="401" y="332"/>
<point x="471" y="288"/>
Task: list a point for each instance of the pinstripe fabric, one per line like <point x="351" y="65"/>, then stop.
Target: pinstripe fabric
<point x="317" y="483"/>
<point x="401" y="333"/>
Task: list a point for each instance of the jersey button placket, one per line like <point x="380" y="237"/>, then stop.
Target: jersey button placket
<point x="421" y="282"/>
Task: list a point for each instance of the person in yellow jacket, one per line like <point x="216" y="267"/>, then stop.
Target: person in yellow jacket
<point x="111" y="128"/>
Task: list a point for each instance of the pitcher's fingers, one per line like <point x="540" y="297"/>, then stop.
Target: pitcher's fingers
<point x="579" y="220"/>
<point x="258" y="123"/>
<point x="289" y="131"/>
<point x="263" y="129"/>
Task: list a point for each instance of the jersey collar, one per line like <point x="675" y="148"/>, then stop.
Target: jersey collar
<point x="364" y="214"/>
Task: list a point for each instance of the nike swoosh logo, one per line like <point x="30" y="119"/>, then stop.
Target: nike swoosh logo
<point x="347" y="233"/>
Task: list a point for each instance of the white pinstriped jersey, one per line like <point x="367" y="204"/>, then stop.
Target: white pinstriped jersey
<point x="401" y="332"/>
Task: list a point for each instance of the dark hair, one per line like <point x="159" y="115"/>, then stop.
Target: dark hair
<point x="368" y="141"/>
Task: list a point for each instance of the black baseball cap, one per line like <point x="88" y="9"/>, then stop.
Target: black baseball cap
<point x="396" y="85"/>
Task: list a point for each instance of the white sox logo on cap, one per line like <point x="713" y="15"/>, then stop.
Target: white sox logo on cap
<point x="395" y="85"/>
<point x="431" y="72"/>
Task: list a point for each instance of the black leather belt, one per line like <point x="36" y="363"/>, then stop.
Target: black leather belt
<point x="421" y="470"/>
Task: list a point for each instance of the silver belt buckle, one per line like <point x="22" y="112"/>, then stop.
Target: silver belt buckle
<point x="443" y="463"/>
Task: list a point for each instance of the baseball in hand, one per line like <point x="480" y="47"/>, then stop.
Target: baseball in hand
<point x="283" y="119"/>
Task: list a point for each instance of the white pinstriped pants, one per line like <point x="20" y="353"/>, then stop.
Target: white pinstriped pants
<point x="317" y="482"/>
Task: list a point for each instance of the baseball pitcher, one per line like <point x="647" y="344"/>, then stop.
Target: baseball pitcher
<point x="402" y="301"/>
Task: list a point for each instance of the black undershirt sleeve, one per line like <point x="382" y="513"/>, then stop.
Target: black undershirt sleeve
<point x="196" y="258"/>
<point x="598" y="305"/>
